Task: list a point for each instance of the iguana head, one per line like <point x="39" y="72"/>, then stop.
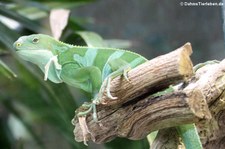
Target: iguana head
<point x="36" y="48"/>
<point x="41" y="50"/>
<point x="36" y="42"/>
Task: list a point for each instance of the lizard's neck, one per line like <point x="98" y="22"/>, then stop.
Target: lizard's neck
<point x="41" y="58"/>
<point x="60" y="47"/>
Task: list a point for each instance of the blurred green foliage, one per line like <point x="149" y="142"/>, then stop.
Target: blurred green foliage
<point x="35" y="113"/>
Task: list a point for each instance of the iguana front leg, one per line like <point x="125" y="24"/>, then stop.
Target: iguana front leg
<point x="90" y="107"/>
<point x="119" y="67"/>
<point x="53" y="60"/>
<point x="85" y="78"/>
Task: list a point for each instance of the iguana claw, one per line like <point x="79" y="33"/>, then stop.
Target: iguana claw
<point x="125" y="73"/>
<point x="84" y="129"/>
<point x="109" y="95"/>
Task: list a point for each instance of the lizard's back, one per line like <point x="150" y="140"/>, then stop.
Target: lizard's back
<point x="99" y="57"/>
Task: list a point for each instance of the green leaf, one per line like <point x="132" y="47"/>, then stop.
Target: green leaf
<point x="151" y="137"/>
<point x="74" y="25"/>
<point x="189" y="136"/>
<point x="6" y="71"/>
<point x="31" y="25"/>
<point x="64" y="4"/>
<point x="117" y="43"/>
<point x="31" y="10"/>
<point x="37" y="10"/>
<point x="91" y="39"/>
<point x="32" y="13"/>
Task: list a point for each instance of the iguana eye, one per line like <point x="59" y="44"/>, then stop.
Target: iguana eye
<point x="18" y="44"/>
<point x="35" y="40"/>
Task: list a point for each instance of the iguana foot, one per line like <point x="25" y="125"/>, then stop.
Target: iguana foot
<point x="90" y="107"/>
<point x="109" y="95"/>
<point x="106" y="85"/>
<point x="82" y="117"/>
<point x="84" y="129"/>
<point x="125" y="73"/>
<point x="122" y="71"/>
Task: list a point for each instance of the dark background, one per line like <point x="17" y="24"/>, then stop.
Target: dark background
<point x="156" y="27"/>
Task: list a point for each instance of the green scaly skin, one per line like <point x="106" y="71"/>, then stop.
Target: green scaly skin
<point x="81" y="67"/>
<point x="85" y="68"/>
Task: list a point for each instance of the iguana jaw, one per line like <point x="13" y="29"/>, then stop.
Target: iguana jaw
<point x="38" y="57"/>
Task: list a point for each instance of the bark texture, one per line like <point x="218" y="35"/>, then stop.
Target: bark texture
<point x="138" y="110"/>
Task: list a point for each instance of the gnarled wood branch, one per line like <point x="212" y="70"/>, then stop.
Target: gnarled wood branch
<point x="136" y="112"/>
<point x="152" y="76"/>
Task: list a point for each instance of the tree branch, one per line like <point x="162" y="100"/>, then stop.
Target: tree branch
<point x="136" y="113"/>
<point x="154" y="75"/>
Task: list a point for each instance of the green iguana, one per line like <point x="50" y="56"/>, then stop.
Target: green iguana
<point x="85" y="68"/>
